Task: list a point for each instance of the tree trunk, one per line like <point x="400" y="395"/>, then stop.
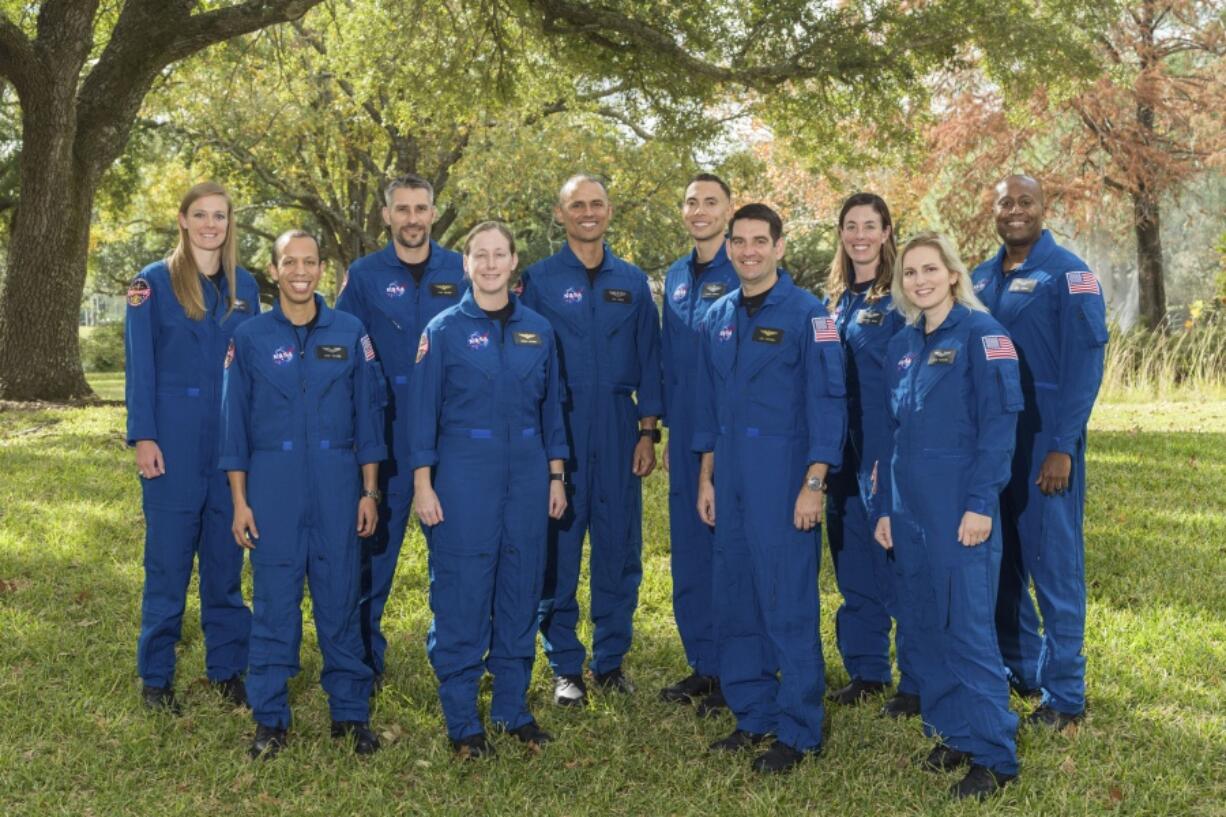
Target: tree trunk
<point x="1147" y="218"/>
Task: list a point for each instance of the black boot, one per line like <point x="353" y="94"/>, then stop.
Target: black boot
<point x="944" y="758"/>
<point x="269" y="740"/>
<point x="901" y="705"/>
<point x="233" y="690"/>
<point x="856" y="692"/>
<point x="473" y="747"/>
<point x="737" y="741"/>
<point x="161" y="699"/>
<point x="531" y="734"/>
<point x="779" y="758"/>
<point x="980" y="782"/>
<point x="1046" y="716"/>
<point x="614" y="681"/>
<point x="712" y="705"/>
<point x="689" y="688"/>
<point x="365" y="742"/>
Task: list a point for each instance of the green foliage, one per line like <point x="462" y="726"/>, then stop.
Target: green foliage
<point x="76" y="740"/>
<point x="102" y="348"/>
<point x="1184" y="359"/>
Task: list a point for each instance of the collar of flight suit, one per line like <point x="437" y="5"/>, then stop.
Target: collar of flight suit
<point x="719" y="259"/>
<point x="782" y="288"/>
<point x="392" y="261"/>
<point x="1038" y="255"/>
<point x="468" y="305"/>
<point x="955" y="317"/>
<point x="324" y="317"/>
<point x="567" y="256"/>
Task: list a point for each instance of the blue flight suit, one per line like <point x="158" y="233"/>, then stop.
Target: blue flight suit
<point x="770" y="402"/>
<point x="380" y="291"/>
<point x="608" y="350"/>
<point x="173" y="368"/>
<point x="487" y="416"/>
<point x="301" y="418"/>
<point x="1053" y="307"/>
<point x="686" y="302"/>
<point x="862" y="568"/>
<point x="953" y="398"/>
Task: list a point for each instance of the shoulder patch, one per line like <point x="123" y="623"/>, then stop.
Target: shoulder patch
<point x="998" y="347"/>
<point x="230" y="353"/>
<point x="1082" y="283"/>
<point x="423" y="346"/>
<point x="825" y="330"/>
<point x="368" y="349"/>
<point x="139" y="291"/>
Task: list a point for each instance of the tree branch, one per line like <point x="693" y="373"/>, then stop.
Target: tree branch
<point x="17" y="60"/>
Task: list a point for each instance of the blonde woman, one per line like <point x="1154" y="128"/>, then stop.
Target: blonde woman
<point x="181" y="315"/>
<point x="952" y="394"/>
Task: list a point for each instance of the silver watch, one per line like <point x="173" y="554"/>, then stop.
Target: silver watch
<point x="815" y="484"/>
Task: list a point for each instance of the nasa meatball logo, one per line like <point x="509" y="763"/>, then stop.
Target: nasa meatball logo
<point x="283" y="355"/>
<point x="681" y="291"/>
<point x="979" y="285"/>
<point x="395" y="289"/>
<point x="905" y="362"/>
<point x="478" y="340"/>
<point x="725" y="334"/>
<point x="138" y="292"/>
<point x="572" y="295"/>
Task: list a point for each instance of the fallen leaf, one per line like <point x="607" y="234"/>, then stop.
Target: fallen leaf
<point x="1115" y="795"/>
<point x="1068" y="766"/>
<point x="83" y="596"/>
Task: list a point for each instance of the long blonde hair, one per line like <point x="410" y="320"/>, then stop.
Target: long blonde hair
<point x="842" y="273"/>
<point x="184" y="274"/>
<point x="964" y="291"/>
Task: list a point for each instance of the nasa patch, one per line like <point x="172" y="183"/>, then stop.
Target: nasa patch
<point x="283" y="355"/>
<point x="725" y="334"/>
<point x="139" y="292"/>
<point x="573" y="295"/>
<point x="681" y="291"/>
<point x="478" y="340"/>
<point x="395" y="290"/>
<point x="905" y="362"/>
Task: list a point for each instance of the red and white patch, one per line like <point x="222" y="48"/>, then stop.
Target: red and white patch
<point x="368" y="349"/>
<point x="139" y="291"/>
<point x="999" y="347"/>
<point x="825" y="330"/>
<point x="423" y="346"/>
<point x="230" y="353"/>
<point x="1082" y="283"/>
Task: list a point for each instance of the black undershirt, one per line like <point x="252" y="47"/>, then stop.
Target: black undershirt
<point x="501" y="315"/>
<point x="753" y="303"/>
<point x="304" y="330"/>
<point x="418" y="271"/>
<point x="862" y="286"/>
<point x="591" y="275"/>
<point x="699" y="268"/>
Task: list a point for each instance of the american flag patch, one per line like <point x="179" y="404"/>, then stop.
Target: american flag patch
<point x="825" y="330"/>
<point x="1082" y="283"/>
<point x="368" y="350"/>
<point x="999" y="347"/>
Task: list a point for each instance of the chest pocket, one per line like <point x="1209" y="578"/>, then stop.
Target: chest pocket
<point x="1022" y="294"/>
<point x="528" y="359"/>
<point x="768" y="345"/>
<point x="935" y="365"/>
<point x="615" y="308"/>
<point x="396" y="312"/>
<point x="278" y="366"/>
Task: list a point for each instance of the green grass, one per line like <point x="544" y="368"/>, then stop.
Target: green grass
<point x="107" y="385"/>
<point x="74" y="739"/>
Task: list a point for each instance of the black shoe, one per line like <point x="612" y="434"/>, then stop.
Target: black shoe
<point x="857" y="692"/>
<point x="531" y="734"/>
<point x="738" y="740"/>
<point x="473" y="747"/>
<point x="613" y="681"/>
<point x="901" y="705"/>
<point x="161" y="699"/>
<point x="1046" y="716"/>
<point x="365" y="742"/>
<point x="944" y="758"/>
<point x="980" y="782"/>
<point x="779" y="758"/>
<point x="569" y="690"/>
<point x="1035" y="694"/>
<point x="233" y="690"/>
<point x="689" y="688"/>
<point x="712" y="705"/>
<point x="269" y="740"/>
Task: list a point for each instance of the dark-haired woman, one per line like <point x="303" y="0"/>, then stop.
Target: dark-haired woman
<point x="858" y="296"/>
<point x="487" y="449"/>
<point x="181" y="315"/>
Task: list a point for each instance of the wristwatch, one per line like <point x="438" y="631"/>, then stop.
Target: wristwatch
<point x="376" y="495"/>
<point x="653" y="433"/>
<point x="815" y="484"/>
<point x="558" y="478"/>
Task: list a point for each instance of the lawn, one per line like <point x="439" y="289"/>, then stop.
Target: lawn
<point x="74" y="739"/>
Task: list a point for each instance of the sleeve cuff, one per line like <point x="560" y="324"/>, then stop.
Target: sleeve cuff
<point x="651" y="408"/>
<point x="135" y="435"/>
<point x="373" y="453"/>
<point x="423" y="459"/>
<point x="1063" y="445"/>
<point x="831" y="456"/>
<point x="979" y="505"/>
<point x="702" y="442"/>
<point x="233" y="464"/>
<point x="560" y="452"/>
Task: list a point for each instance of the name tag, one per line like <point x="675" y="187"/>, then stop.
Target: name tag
<point x="527" y="338"/>
<point x="713" y="290"/>
<point x="618" y="296"/>
<point x="1025" y="285"/>
<point x="868" y="317"/>
<point x="939" y="356"/>
<point x="241" y="306"/>
<point x="444" y="290"/>
<point x="332" y="352"/>
<point x="764" y="334"/>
